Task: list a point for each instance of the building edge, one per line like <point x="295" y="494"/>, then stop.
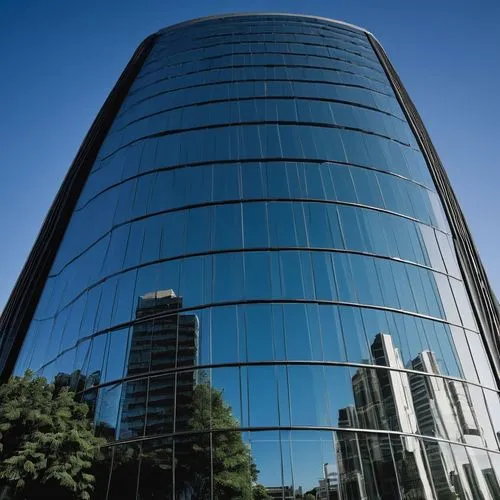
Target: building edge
<point x="20" y="308"/>
<point x="483" y="299"/>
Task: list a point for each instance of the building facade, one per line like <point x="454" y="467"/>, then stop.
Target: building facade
<point x="257" y="276"/>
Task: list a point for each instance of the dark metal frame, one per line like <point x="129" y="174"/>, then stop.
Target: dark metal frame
<point x="18" y="312"/>
<point x="479" y="289"/>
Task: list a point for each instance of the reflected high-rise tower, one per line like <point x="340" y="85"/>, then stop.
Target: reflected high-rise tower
<point x="383" y="400"/>
<point x="156" y="345"/>
<point x="411" y="403"/>
<point x="330" y="306"/>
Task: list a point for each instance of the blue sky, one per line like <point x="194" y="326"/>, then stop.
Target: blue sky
<point x="60" y="60"/>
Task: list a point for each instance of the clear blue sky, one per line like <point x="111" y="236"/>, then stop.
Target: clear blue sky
<point x="60" y="59"/>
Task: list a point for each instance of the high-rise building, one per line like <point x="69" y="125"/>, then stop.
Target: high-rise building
<point x="256" y="266"/>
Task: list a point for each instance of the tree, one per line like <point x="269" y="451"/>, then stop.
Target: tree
<point x="260" y="493"/>
<point x="47" y="446"/>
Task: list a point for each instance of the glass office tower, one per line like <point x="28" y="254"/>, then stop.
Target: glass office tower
<point x="257" y="276"/>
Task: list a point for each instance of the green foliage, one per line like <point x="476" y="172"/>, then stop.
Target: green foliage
<point x="47" y="444"/>
<point x="260" y="493"/>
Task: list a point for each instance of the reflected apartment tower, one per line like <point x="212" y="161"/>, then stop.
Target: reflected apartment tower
<point x="165" y="342"/>
<point x="413" y="404"/>
<point x="351" y="479"/>
<point x="444" y="408"/>
<point x="328" y="486"/>
<point x="382" y="401"/>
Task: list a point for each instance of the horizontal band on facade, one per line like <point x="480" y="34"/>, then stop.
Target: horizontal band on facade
<point x="170" y="52"/>
<point x="160" y="316"/>
<point x="256" y="80"/>
<point x="258" y="200"/>
<point x="161" y="52"/>
<point x="299" y="428"/>
<point x="242" y="124"/>
<point x="240" y="66"/>
<point x="257" y="98"/>
<point x="246" y="364"/>
<point x="266" y="249"/>
<point x="270" y="53"/>
<point x="260" y="161"/>
<point x="255" y="249"/>
<point x="253" y="65"/>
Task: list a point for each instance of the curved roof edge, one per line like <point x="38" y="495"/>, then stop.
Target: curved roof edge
<point x="242" y="14"/>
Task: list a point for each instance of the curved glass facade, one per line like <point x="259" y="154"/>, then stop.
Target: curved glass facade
<point x="258" y="294"/>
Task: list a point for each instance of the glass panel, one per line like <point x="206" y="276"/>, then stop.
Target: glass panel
<point x="493" y="406"/>
<point x="133" y="408"/>
<point x="259" y="332"/>
<point x="255" y="225"/>
<point x="414" y="477"/>
<point x="480" y="360"/>
<point x="116" y="355"/>
<point x="313" y="461"/>
<point x="448" y="253"/>
<point x="227" y="227"/>
<point x="160" y="408"/>
<point x="226" y="332"/>
<point x="463" y="304"/>
<point x="482" y="471"/>
<point x="228" y="277"/>
<point x="366" y="466"/>
<point x="125" y="472"/>
<point x="493" y="475"/>
<point x="107" y="408"/>
<point x="156" y="470"/>
<point x="273" y="470"/>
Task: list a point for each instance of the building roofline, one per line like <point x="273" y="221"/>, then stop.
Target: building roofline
<point x="245" y="14"/>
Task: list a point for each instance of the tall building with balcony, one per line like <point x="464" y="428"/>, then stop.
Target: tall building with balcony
<point x="256" y="266"/>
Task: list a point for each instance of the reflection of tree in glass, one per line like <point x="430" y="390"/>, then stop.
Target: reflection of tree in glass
<point x="223" y="454"/>
<point x="204" y="461"/>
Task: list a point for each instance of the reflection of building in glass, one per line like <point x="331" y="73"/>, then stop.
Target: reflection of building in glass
<point x="351" y="478"/>
<point x="414" y="404"/>
<point x="328" y="486"/>
<point x="444" y="408"/>
<point x="76" y="382"/>
<point x="163" y="343"/>
<point x="281" y="492"/>
<point x="383" y="401"/>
